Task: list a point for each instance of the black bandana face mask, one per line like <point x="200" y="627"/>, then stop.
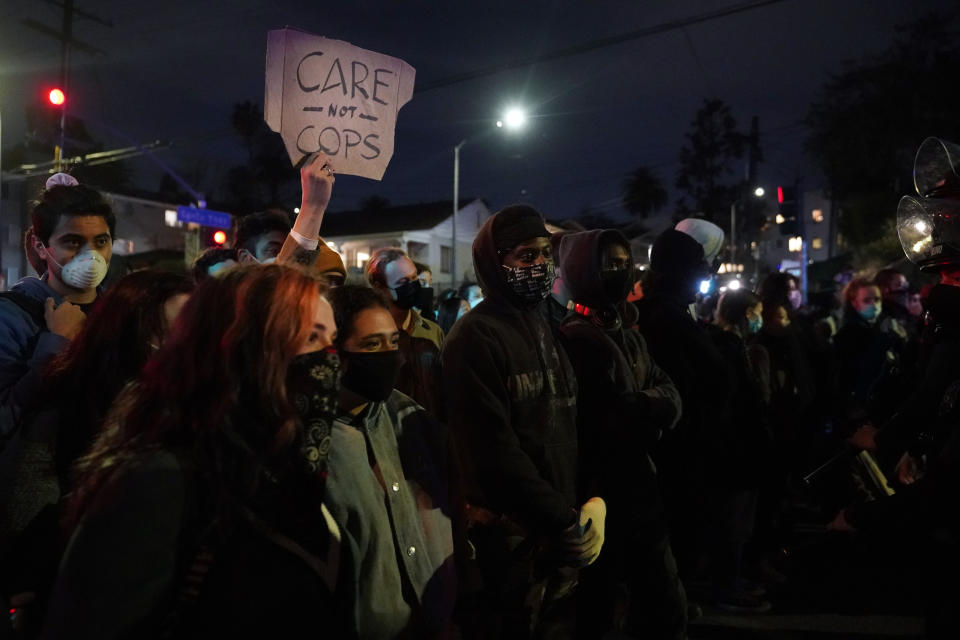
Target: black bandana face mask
<point x="408" y="294"/>
<point x="313" y="384"/>
<point x="531" y="284"/>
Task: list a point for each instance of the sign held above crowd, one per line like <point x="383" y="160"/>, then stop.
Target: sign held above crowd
<point x="330" y="96"/>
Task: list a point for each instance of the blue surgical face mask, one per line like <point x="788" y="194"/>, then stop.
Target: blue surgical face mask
<point x="871" y="313"/>
<point x="754" y="324"/>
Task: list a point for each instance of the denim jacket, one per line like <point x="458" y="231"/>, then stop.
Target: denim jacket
<point x="387" y="488"/>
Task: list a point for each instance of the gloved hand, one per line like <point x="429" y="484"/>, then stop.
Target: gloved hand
<point x="580" y="544"/>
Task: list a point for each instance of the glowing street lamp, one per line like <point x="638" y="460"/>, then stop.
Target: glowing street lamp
<point x="513" y="119"/>
<point x="759" y="191"/>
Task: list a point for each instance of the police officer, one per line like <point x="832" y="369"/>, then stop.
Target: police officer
<point x="925" y="430"/>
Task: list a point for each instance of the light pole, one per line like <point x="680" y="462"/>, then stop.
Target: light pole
<point x="456" y="206"/>
<point x="513" y="119"/>
<point x="758" y="192"/>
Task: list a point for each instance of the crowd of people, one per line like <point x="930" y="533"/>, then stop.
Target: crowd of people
<point x="566" y="447"/>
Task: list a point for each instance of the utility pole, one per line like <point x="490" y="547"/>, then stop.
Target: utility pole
<point x="67" y="42"/>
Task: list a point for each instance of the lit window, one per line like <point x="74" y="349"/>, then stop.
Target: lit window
<point x="817" y="243"/>
<point x="795" y="244"/>
<point x="817" y="215"/>
<point x="362" y="258"/>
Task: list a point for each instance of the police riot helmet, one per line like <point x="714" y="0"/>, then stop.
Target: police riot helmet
<point x="929" y="225"/>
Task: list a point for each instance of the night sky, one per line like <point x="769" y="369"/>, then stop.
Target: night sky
<point x="174" y="69"/>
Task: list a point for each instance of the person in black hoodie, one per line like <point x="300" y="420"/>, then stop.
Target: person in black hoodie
<point x="684" y="350"/>
<point x="624" y="402"/>
<point x="511" y="408"/>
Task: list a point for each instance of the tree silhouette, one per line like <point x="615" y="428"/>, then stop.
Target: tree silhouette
<point x="869" y="119"/>
<point x="707" y="163"/>
<point x="268" y="178"/>
<point x="643" y="192"/>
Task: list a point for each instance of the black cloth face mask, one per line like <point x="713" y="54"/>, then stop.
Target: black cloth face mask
<point x="615" y="282"/>
<point x="425" y="301"/>
<point x="313" y="384"/>
<point x="371" y="374"/>
<point x="407" y="294"/>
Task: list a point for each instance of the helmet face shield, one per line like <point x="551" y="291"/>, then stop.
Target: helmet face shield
<point x="929" y="230"/>
<point x="935" y="168"/>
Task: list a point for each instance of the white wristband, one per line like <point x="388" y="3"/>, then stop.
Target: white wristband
<point x="305" y="242"/>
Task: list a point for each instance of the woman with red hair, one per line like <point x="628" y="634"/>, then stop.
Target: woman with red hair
<point x="197" y="512"/>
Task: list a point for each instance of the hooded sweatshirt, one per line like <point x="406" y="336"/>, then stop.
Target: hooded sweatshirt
<point x="510" y="396"/>
<point x="26" y="346"/>
<point x="624" y="399"/>
<point x="688" y="355"/>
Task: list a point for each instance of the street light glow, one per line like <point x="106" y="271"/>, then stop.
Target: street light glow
<point x="759" y="191"/>
<point x="513" y="119"/>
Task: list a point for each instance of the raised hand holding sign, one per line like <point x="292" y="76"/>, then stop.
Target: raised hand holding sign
<point x="329" y="96"/>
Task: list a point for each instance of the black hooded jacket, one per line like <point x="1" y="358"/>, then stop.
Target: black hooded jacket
<point x="510" y="395"/>
<point x="624" y="399"/>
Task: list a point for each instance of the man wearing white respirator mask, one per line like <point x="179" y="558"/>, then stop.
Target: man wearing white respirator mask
<point x="72" y="233"/>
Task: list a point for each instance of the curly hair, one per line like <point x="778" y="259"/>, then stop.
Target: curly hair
<point x="252" y="226"/>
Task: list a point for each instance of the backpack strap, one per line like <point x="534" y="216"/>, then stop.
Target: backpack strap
<point x="31" y="306"/>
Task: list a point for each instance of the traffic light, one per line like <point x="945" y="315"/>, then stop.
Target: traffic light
<point x="213" y="237"/>
<point x="56" y="97"/>
<point x="788" y="221"/>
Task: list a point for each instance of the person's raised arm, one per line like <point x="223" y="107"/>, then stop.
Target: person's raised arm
<point x="303" y="244"/>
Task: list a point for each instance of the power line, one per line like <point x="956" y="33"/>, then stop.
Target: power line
<point x="596" y="44"/>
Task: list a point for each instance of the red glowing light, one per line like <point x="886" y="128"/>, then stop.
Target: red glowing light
<point x="56" y="97"/>
<point x="780" y="195"/>
<point x="219" y="237"/>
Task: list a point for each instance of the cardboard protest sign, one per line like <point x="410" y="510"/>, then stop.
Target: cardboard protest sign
<point x="330" y="96"/>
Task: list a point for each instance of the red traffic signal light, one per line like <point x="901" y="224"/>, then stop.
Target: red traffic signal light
<point x="56" y="97"/>
<point x="219" y="237"/>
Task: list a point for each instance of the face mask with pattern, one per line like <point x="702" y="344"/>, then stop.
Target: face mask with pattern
<point x="313" y="385"/>
<point x="531" y="284"/>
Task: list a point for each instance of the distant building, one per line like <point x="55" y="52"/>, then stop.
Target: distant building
<point x="782" y="252"/>
<point x="147" y="233"/>
<point x="424" y="231"/>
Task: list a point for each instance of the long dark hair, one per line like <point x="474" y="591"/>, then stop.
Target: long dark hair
<point x="733" y="306"/>
<point x="348" y="301"/>
<point x="118" y="337"/>
<point x="217" y="387"/>
<point x="774" y="292"/>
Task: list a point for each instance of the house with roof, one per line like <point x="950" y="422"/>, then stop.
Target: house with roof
<point x="424" y="231"/>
